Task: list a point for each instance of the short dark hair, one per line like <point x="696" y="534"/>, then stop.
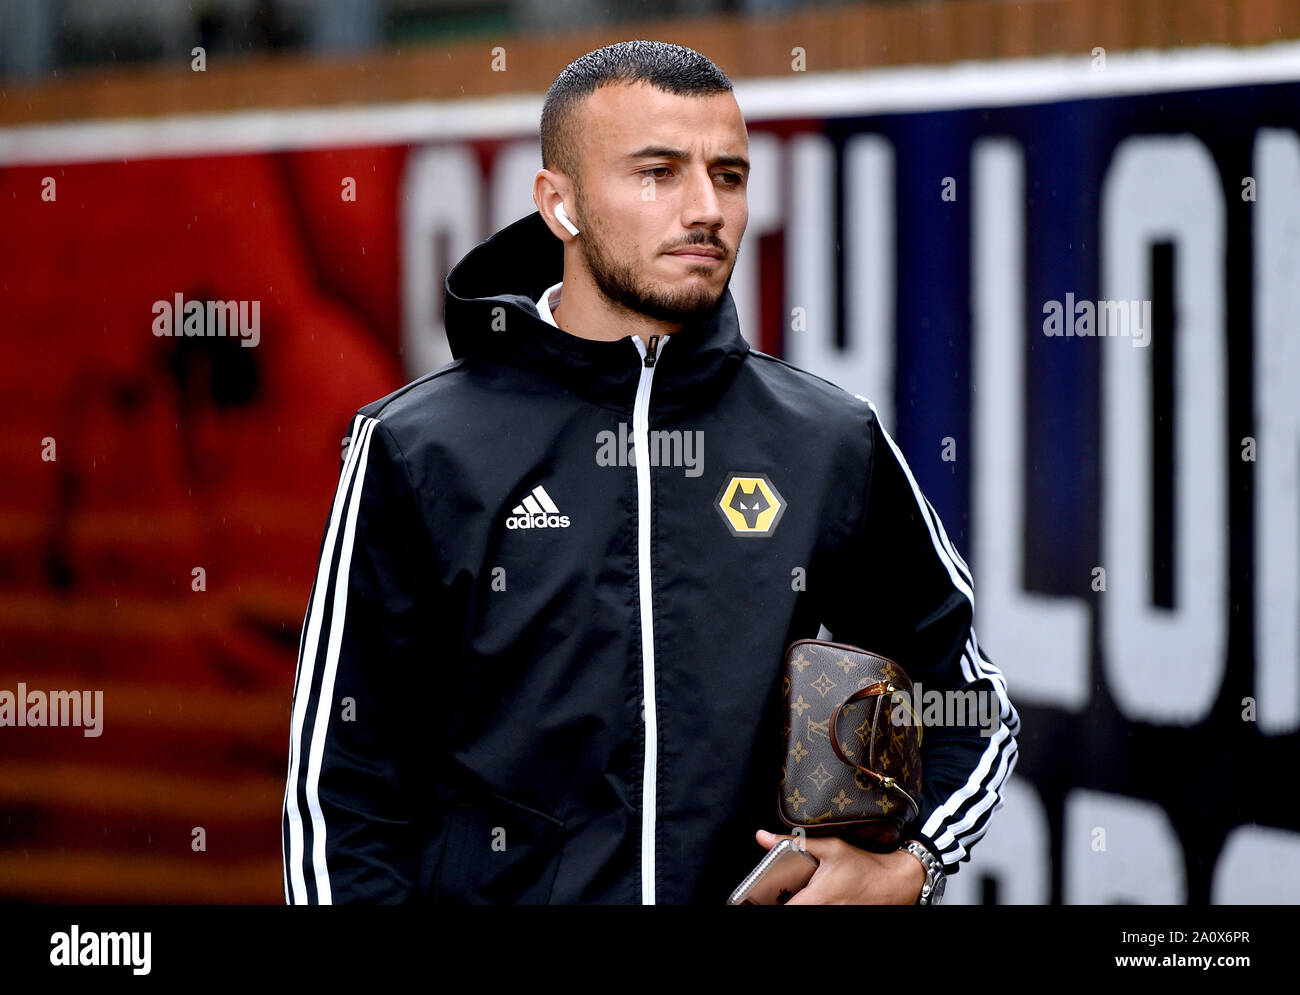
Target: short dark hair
<point x="663" y="65"/>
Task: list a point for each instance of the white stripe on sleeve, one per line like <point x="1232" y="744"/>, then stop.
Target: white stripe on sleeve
<point x="309" y="642"/>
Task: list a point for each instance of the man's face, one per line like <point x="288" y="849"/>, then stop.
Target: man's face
<point x="660" y="175"/>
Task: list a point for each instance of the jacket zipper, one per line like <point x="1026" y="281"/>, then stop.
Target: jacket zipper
<point x="649" y="777"/>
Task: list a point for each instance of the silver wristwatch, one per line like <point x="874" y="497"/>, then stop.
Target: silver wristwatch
<point x="932" y="890"/>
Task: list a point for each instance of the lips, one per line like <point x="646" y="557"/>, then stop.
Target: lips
<point x="698" y="250"/>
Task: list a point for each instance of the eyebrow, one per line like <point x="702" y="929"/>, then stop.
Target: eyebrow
<point x="663" y="151"/>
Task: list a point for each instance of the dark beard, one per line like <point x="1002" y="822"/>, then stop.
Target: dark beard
<point x="619" y="284"/>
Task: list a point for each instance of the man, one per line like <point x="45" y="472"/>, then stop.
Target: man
<point x="542" y="657"/>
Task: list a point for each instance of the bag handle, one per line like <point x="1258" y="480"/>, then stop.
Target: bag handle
<point x="870" y="691"/>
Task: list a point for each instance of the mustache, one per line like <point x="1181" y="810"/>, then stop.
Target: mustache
<point x="712" y="243"/>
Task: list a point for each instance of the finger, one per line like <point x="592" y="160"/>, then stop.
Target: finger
<point x="821" y="848"/>
<point x="770" y="839"/>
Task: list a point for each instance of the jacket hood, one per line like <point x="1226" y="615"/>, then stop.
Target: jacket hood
<point x="512" y="268"/>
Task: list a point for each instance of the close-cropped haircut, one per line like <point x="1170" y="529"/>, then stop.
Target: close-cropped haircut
<point x="663" y="65"/>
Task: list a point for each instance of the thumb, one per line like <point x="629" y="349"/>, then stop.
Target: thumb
<point x="768" y="840"/>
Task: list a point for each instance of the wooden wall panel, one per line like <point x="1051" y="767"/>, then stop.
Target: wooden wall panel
<point x="926" y="31"/>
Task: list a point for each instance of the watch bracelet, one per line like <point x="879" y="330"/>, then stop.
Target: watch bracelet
<point x="934" y="871"/>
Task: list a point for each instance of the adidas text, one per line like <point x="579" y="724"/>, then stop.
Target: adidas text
<point x="539" y="521"/>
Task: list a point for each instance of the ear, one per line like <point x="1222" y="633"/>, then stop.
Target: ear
<point x="549" y="191"/>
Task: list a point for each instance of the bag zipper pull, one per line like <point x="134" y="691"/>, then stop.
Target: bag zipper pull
<point x="650" y="350"/>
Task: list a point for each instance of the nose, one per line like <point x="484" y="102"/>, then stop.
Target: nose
<point x="702" y="206"/>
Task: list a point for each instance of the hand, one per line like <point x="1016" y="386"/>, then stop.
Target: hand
<point x="850" y="875"/>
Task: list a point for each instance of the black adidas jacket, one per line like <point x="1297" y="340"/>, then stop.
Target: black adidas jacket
<point x="532" y="670"/>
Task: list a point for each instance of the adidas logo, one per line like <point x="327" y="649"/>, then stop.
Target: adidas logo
<point x="537" y="511"/>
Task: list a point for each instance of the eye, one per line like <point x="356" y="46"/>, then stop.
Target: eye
<point x="654" y="169"/>
<point x="736" y="179"/>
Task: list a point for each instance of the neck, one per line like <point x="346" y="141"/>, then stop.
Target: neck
<point x="587" y="313"/>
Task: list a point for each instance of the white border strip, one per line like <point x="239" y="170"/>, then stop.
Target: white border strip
<point x="999" y="83"/>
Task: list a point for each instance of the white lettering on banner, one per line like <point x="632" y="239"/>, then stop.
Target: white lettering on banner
<point x="1277" y="429"/>
<point x="767" y="214"/>
<point x="1142" y="862"/>
<point x="866" y="363"/>
<point x="810" y="266"/>
<point x="1258" y="865"/>
<point x="1165" y="665"/>
<point x="510" y="184"/>
<point x="440" y="197"/>
<point x="1043" y="640"/>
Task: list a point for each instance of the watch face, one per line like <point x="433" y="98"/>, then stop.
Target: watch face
<point x="938" y="890"/>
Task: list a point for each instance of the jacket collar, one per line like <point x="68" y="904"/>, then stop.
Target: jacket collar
<point x="544" y="304"/>
<point x="491" y="313"/>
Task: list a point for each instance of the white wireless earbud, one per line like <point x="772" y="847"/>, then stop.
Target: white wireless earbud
<point x="563" y="215"/>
